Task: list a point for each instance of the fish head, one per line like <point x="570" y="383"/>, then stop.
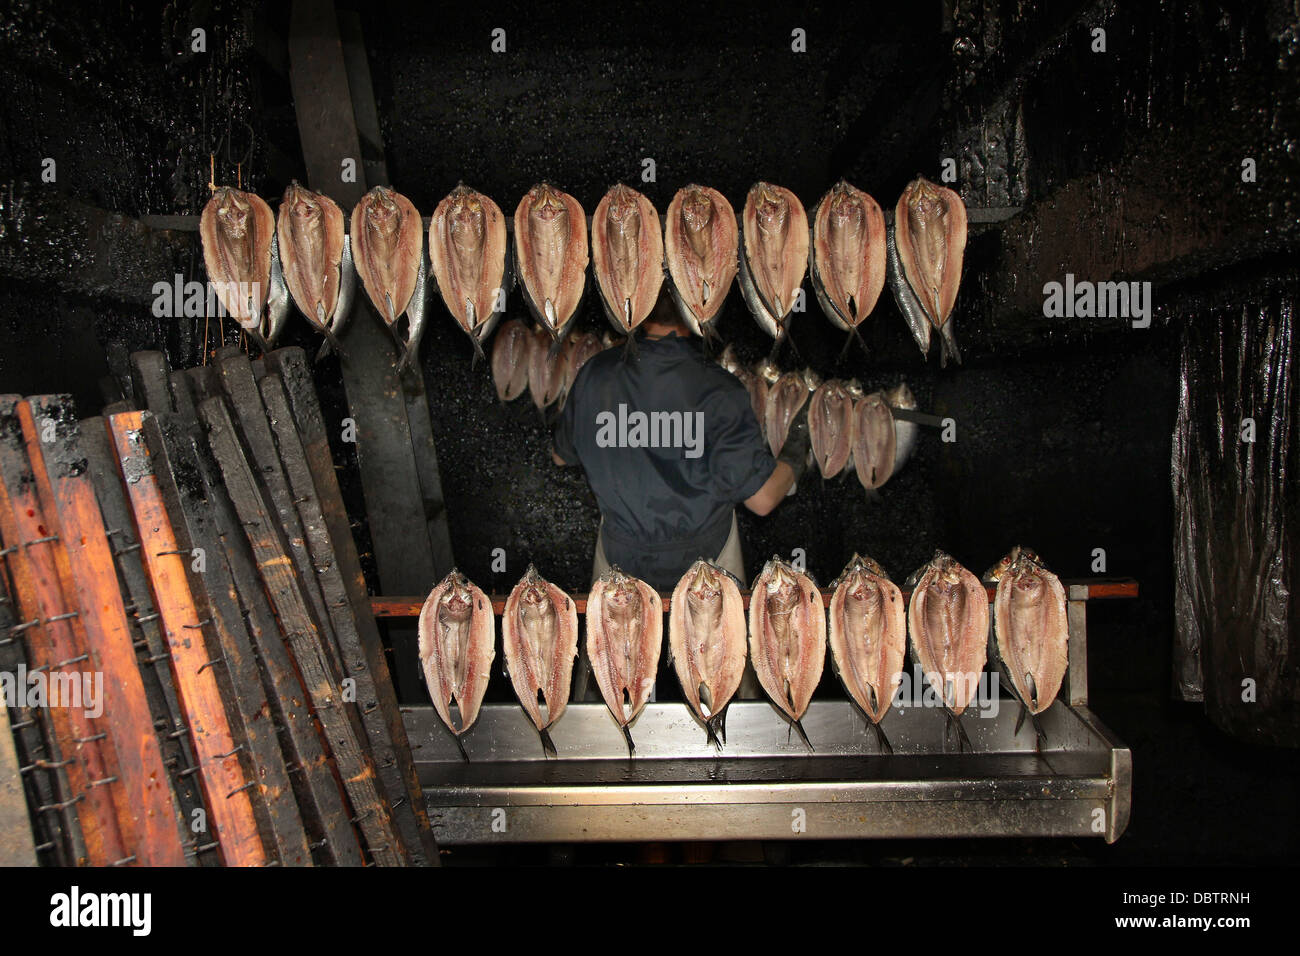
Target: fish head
<point x="782" y="582"/>
<point x="811" y="380"/>
<point x="457" y="601"/>
<point x="697" y="208"/>
<point x="767" y="370"/>
<point x="234" y="212"/>
<point x="846" y="209"/>
<point x="304" y="205"/>
<point x="853" y="389"/>
<point x="545" y="204"/>
<point x="925" y="203"/>
<point x="864" y="565"/>
<point x="901" y="397"/>
<point x="704" y="584"/>
<point x="771" y="207"/>
<point x="465" y="218"/>
<point x="381" y="211"/>
<point x="621" y="591"/>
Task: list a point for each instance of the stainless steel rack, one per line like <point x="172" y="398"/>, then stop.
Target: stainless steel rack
<point x="767" y="785"/>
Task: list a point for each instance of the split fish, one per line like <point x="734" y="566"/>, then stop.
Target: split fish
<point x="846" y="258"/>
<point x="830" y="426"/>
<point x="469" y="252"/>
<point x="930" y="240"/>
<point x="785" y="399"/>
<point x="545" y="371"/>
<point x="905" y="432"/>
<point x="706" y="638"/>
<point x="627" y="257"/>
<point x="578" y="350"/>
<point x="625" y="631"/>
<point x="510" y="354"/>
<point x="787" y="638"/>
<point x="948" y="626"/>
<point x="317" y="260"/>
<point x="457" y="646"/>
<point x="766" y="374"/>
<point x="701" y="240"/>
<point x="388" y="251"/>
<point x="551" y="256"/>
<point x="773" y="257"/>
<point x="1032" y="635"/>
<point x="875" y="442"/>
<point x="868" y="638"/>
<point x="539" y="634"/>
<point x="242" y="259"/>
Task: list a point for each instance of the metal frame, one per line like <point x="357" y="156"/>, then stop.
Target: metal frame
<point x="767" y="785"/>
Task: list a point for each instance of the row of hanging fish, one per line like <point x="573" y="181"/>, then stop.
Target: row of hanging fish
<point x="785" y="638"/>
<point x="258" y="264"/>
<point x="847" y="428"/>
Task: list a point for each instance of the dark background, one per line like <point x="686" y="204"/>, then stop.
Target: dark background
<point x="1063" y="426"/>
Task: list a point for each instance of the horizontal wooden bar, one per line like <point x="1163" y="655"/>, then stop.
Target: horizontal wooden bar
<point x="398" y="607"/>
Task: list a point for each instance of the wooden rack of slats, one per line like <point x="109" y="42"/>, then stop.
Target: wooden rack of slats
<point x="185" y="565"/>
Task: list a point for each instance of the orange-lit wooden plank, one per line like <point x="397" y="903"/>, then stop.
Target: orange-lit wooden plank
<point x="410" y="606"/>
<point x="63" y="487"/>
<point x="220" y="772"/>
<point x="51" y="640"/>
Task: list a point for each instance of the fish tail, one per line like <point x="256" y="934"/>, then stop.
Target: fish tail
<point x="461" y="747"/>
<point x="627" y="734"/>
<point x="848" y="340"/>
<point x="798" y="725"/>
<point x="1020" y="718"/>
<point x="478" y="351"/>
<point x="1040" y="735"/>
<point x="711" y="727"/>
<point x="954" y="723"/>
<point x="629" y="347"/>
<point x="948" y="345"/>
<point x="882" y="742"/>
<point x="861" y="341"/>
<point x="548" y="745"/>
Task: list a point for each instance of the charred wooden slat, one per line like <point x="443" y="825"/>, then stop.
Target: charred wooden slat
<point x="371" y="809"/>
<point x="320" y="792"/>
<point x="37" y="586"/>
<point x="57" y="833"/>
<point x="341" y="613"/>
<point x="220" y="770"/>
<point x="53" y="448"/>
<point x="151" y="645"/>
<point x="249" y="417"/>
<point x="149" y="381"/>
<point x="295" y="374"/>
<point x="235" y="666"/>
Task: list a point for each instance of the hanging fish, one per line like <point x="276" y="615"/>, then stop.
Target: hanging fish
<point x="766" y="374"/>
<point x="578" y="349"/>
<point x="625" y="631"/>
<point x="785" y="399"/>
<point x="905" y="432"/>
<point x="457" y="645"/>
<point x="701" y="240"/>
<point x="317" y="261"/>
<point x="847" y="257"/>
<point x="510" y="354"/>
<point x="930" y="239"/>
<point x="948" y="626"/>
<point x="539" y="634"/>
<point x="706" y="639"/>
<point x="773" y="257"/>
<point x="469" y="252"/>
<point x="551" y="256"/>
<point x="787" y="638"/>
<point x="242" y="258"/>
<point x="1032" y="645"/>
<point x="830" y="426"/>
<point x="388" y="251"/>
<point x="627" y="257"/>
<point x="868" y="639"/>
<point x="545" y="371"/>
<point x="875" y="443"/>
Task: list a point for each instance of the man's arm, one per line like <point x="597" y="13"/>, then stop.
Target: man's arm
<point x="773" y="491"/>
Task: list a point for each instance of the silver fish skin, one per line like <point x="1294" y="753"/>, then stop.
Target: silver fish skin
<point x="913" y="313"/>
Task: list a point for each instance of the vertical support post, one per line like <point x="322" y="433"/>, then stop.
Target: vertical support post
<point x="1076" y="614"/>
